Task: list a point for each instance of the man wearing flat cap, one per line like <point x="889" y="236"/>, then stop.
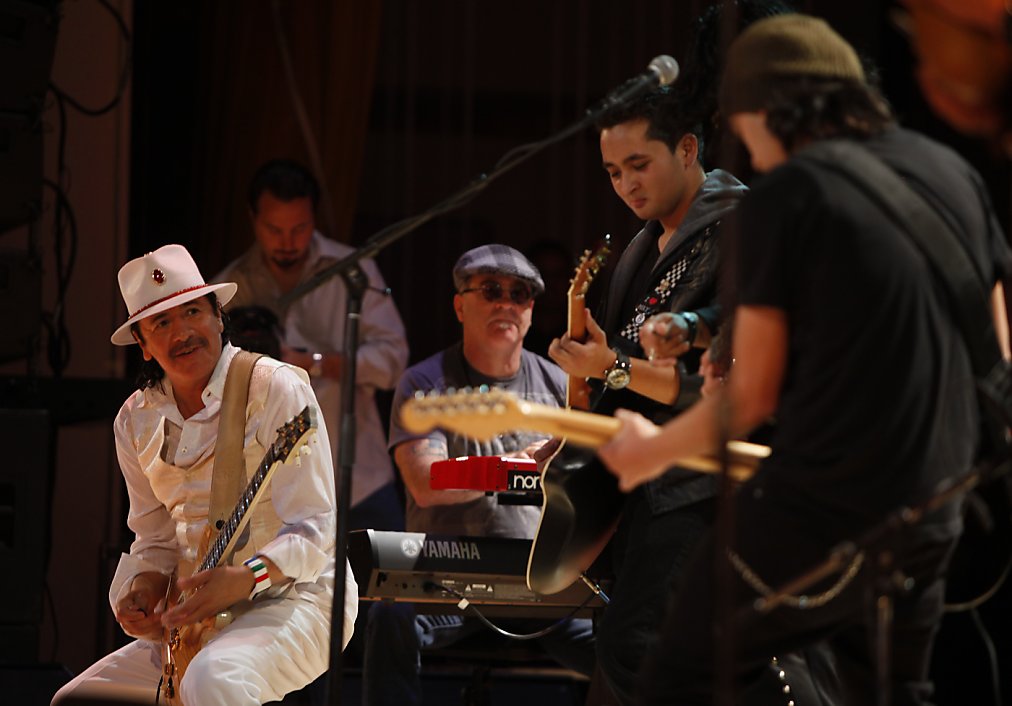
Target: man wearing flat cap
<point x="845" y="334"/>
<point x="278" y="583"/>
<point x="496" y="286"/>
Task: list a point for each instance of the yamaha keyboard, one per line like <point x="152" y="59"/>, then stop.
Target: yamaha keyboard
<point x="441" y="570"/>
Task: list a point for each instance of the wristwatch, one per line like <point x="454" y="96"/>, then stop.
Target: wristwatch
<point x="620" y="373"/>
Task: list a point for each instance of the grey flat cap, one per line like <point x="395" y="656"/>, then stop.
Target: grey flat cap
<point x="496" y="259"/>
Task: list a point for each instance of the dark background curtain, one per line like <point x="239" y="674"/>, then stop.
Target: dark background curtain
<point x="213" y="103"/>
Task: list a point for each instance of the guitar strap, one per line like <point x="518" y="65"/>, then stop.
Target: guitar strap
<point x="228" y="477"/>
<point x="657" y="299"/>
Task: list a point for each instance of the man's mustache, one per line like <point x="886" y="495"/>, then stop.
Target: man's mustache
<point x="508" y="318"/>
<point x="190" y="343"/>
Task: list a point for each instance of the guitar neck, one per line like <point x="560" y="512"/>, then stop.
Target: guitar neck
<point x="577" y="389"/>
<point x="486" y="414"/>
<point x="593" y="430"/>
<point x="583" y="428"/>
<point x="229" y="532"/>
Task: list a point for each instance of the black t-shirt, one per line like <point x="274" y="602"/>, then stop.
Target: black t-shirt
<point x="877" y="404"/>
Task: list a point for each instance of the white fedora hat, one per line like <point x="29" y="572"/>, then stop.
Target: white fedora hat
<point x="161" y="280"/>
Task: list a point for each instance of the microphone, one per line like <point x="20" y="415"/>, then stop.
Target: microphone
<point x="661" y="71"/>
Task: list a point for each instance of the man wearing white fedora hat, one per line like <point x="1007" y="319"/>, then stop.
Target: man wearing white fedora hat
<point x="279" y="584"/>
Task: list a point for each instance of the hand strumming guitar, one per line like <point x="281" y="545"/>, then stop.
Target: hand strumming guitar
<point x="631" y="453"/>
<point x="215" y="590"/>
<point x="139" y="606"/>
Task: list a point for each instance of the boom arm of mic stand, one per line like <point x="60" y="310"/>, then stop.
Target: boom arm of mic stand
<point x="394" y="232"/>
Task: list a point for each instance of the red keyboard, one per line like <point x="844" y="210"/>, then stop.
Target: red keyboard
<point x="486" y="473"/>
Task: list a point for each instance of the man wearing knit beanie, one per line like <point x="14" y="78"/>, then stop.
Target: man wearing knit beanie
<point x="844" y="334"/>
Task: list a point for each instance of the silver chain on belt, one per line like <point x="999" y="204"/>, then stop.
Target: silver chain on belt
<point x="800" y="602"/>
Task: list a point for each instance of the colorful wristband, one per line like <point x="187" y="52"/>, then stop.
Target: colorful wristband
<point x="261" y="578"/>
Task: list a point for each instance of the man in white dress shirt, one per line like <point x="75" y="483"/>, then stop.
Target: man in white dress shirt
<point x="279" y="586"/>
<point x="288" y="250"/>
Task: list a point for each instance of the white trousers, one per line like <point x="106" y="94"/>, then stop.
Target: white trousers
<point x="278" y="646"/>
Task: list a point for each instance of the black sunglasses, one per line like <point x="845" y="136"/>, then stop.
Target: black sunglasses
<point x="492" y="291"/>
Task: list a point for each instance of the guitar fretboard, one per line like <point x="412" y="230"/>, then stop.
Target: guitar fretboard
<point x="228" y="530"/>
<point x="289" y="438"/>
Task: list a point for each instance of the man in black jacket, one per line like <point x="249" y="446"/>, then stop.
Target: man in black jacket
<point x="651" y="155"/>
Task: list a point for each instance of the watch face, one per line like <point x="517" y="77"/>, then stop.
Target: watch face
<point x="617" y="379"/>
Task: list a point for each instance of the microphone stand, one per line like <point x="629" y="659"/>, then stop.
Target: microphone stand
<point x="724" y="654"/>
<point x="357" y="283"/>
<point x="887" y="580"/>
<point x="724" y="521"/>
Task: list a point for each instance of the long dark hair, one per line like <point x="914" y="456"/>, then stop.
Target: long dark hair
<point x="805" y="108"/>
<point x="150" y="372"/>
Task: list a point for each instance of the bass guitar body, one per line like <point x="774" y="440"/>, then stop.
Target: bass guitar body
<point x="580" y="511"/>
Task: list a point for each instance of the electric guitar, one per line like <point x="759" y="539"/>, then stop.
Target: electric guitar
<point x="182" y="644"/>
<point x="581" y="500"/>
<point x="577" y="389"/>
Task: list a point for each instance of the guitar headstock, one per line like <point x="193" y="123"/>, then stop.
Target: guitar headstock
<point x="589" y="265"/>
<point x="481" y="414"/>
<point x="292" y="435"/>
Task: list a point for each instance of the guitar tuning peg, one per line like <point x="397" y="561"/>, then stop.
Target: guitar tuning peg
<point x="298" y="460"/>
<point x="305" y="451"/>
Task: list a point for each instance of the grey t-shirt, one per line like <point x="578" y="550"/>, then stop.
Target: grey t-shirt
<point x="538" y="380"/>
